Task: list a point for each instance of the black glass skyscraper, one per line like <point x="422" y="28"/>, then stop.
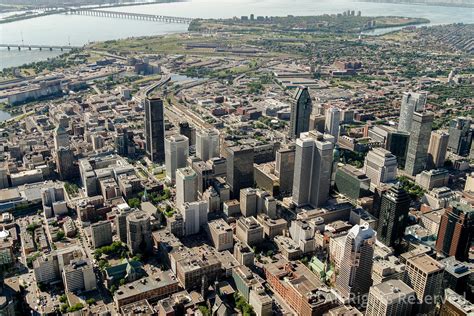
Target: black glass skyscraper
<point x="393" y="216"/>
<point x="155" y="129"/>
<point x="460" y="136"/>
<point x="301" y="109"/>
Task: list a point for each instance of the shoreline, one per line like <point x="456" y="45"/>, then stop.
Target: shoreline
<point x="433" y="4"/>
<point x="25" y="16"/>
<point x="379" y="28"/>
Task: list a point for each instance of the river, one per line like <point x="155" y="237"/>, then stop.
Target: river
<point x="79" y="30"/>
<point x="4" y="116"/>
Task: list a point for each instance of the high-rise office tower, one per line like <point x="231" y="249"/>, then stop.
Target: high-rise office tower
<point x="313" y="165"/>
<point x="186" y="186"/>
<point x="155" y="129"/>
<point x="121" y="223"/>
<point x="351" y="182"/>
<point x="194" y="216"/>
<point x="239" y="168"/>
<point x="456" y="231"/>
<point x="417" y="154"/>
<point x="4" y="176"/>
<point x="207" y="144"/>
<point x="380" y="166"/>
<point x="332" y="122"/>
<point x="301" y="108"/>
<point x="97" y="141"/>
<point x="101" y="234"/>
<point x="391" y="298"/>
<point x="139" y="232"/>
<point x="411" y="102"/>
<point x="393" y="216"/>
<point x="397" y="144"/>
<point x="61" y="138"/>
<point x="355" y="277"/>
<point x="121" y="140"/>
<point x="65" y="163"/>
<point x="248" y="202"/>
<point x="176" y="154"/>
<point x="425" y="275"/>
<point x="437" y="149"/>
<point x="285" y="168"/>
<point x="317" y="122"/>
<point x="187" y="130"/>
<point x="460" y="136"/>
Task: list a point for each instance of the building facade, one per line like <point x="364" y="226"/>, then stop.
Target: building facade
<point x="155" y="129"/>
<point x="301" y="108"/>
<point x="176" y="155"/>
<point x="393" y="217"/>
<point x="456" y="231"/>
<point x="417" y="154"/>
<point x="313" y="166"/>
<point x="411" y="102"/>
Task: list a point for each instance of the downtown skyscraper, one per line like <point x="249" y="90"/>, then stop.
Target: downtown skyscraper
<point x="355" y="277"/>
<point x="176" y="154"/>
<point x="313" y="165"/>
<point x="417" y="154"/>
<point x="155" y="129"/>
<point x="437" y="149"/>
<point x="411" y="102"/>
<point x="456" y="231"/>
<point x="460" y="136"/>
<point x="207" y="144"/>
<point x="393" y="216"/>
<point x="332" y="122"/>
<point x="301" y="109"/>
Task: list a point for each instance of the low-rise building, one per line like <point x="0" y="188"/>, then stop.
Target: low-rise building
<point x="272" y="227"/>
<point x="385" y="269"/>
<point x="429" y="179"/>
<point x="302" y="290"/>
<point x="101" y="234"/>
<point x="288" y="247"/>
<point x="455" y="305"/>
<point x="151" y="288"/>
<point x="243" y="254"/>
<point x="79" y="276"/>
<point x="221" y="235"/>
<point x="249" y="231"/>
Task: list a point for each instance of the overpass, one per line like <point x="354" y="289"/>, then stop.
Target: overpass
<point x="133" y="16"/>
<point x="40" y="47"/>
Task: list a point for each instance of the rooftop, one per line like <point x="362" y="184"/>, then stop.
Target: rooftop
<point x="159" y="280"/>
<point x="426" y="263"/>
<point x="392" y="290"/>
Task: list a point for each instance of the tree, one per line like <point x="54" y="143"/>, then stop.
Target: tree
<point x="204" y="310"/>
<point x="90" y="301"/>
<point x="63" y="298"/>
<point x="134" y="202"/>
<point x="64" y="308"/>
<point x="31" y="228"/>
<point x="112" y="289"/>
<point x="243" y="306"/>
<point x="75" y="308"/>
<point x="60" y="235"/>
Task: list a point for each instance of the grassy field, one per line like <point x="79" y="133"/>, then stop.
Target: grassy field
<point x="321" y="23"/>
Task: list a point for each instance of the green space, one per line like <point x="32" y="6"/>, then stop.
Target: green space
<point x="321" y="23"/>
<point x="414" y="190"/>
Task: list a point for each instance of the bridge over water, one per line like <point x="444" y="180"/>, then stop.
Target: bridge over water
<point x="40" y="47"/>
<point x="133" y="16"/>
